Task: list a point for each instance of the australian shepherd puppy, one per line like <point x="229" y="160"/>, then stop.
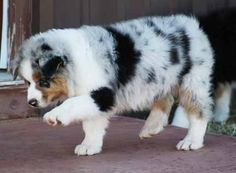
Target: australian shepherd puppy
<point x="99" y="71"/>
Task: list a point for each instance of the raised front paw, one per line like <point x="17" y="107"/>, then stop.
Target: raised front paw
<point x="84" y="149"/>
<point x="56" y="117"/>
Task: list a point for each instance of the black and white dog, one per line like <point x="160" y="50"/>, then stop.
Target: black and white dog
<point x="98" y="71"/>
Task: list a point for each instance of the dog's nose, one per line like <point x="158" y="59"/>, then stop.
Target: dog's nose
<point x="33" y="102"/>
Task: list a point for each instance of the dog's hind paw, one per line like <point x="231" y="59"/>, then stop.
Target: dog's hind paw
<point x="83" y="149"/>
<point x="186" y="145"/>
<point x="148" y="132"/>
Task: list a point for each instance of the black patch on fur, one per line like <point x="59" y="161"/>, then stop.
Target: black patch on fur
<point x="187" y="67"/>
<point x="152" y="25"/>
<point x="127" y="56"/>
<point x="48" y="70"/>
<point x="52" y="66"/>
<point x="45" y="47"/>
<point x="174" y="54"/>
<point x="149" y="22"/>
<point x="104" y="98"/>
<point x="174" y="57"/>
<point x="185" y="43"/>
<point x="151" y="77"/>
<point x="173" y="39"/>
<point x="159" y="32"/>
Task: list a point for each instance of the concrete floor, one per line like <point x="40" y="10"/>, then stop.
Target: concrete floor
<point x="30" y="146"/>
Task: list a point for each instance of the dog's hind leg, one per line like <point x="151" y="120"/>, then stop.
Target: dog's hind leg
<point x="222" y="102"/>
<point x="94" y="130"/>
<point x="158" y="117"/>
<point x="198" y="116"/>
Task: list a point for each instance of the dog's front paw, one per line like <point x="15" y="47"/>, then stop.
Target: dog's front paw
<point x="56" y="117"/>
<point x="84" y="149"/>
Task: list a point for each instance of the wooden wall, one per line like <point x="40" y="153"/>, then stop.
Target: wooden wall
<point x="20" y="16"/>
<point x="74" y="13"/>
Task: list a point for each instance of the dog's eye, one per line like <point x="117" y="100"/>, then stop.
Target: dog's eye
<point x="44" y="83"/>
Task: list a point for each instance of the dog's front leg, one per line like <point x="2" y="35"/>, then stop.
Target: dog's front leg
<point x="93" y="110"/>
<point x="94" y="130"/>
<point x="71" y="110"/>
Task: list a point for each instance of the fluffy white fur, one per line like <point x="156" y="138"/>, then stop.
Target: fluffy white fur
<point x="180" y="118"/>
<point x="195" y="136"/>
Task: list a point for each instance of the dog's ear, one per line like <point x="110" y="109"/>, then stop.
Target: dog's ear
<point x="15" y="63"/>
<point x="14" y="67"/>
<point x="53" y="65"/>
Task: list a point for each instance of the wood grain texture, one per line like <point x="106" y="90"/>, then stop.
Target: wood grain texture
<point x="74" y="13"/>
<point x="20" y="20"/>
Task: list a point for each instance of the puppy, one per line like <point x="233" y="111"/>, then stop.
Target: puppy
<point x="98" y="71"/>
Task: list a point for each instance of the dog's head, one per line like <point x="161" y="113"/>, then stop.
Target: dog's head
<point x="42" y="64"/>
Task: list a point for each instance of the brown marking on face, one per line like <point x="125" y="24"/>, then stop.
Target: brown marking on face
<point x="164" y="104"/>
<point x="188" y="102"/>
<point x="58" y="89"/>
